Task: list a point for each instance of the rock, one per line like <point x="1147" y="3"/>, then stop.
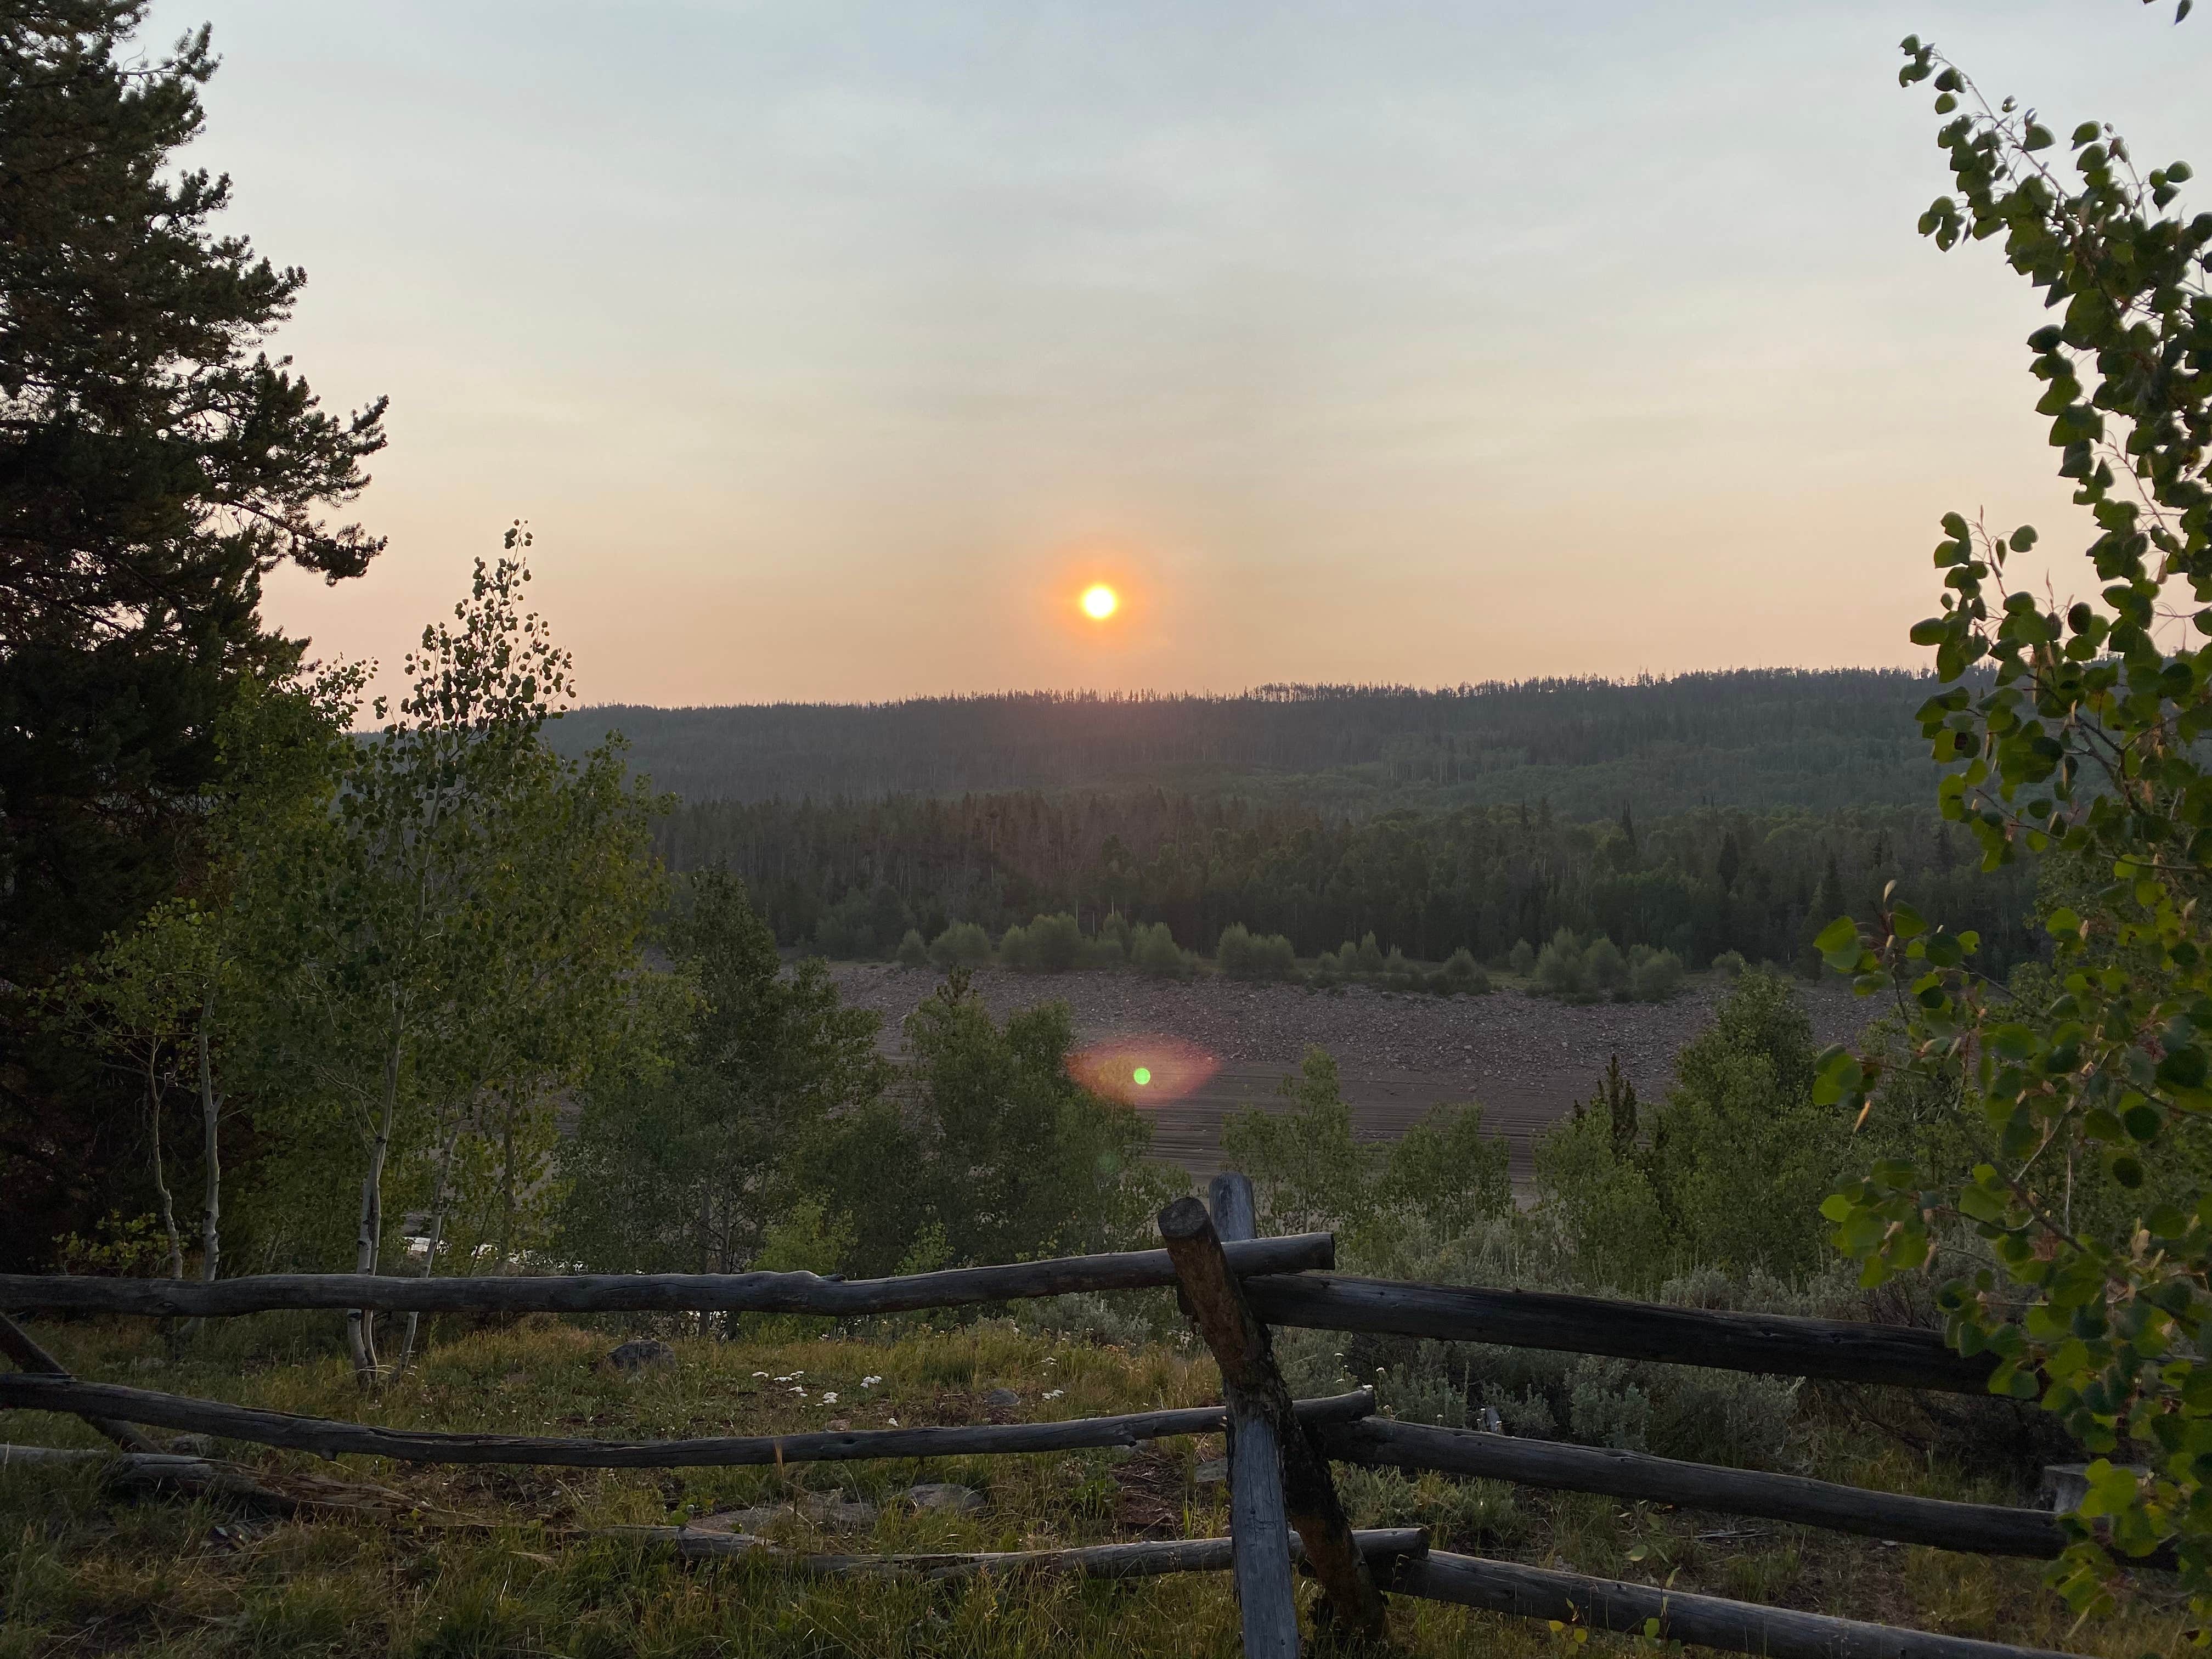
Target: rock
<point x="837" y="1512"/>
<point x="2065" y="1485"/>
<point x="639" y="1355"/>
<point x="1002" y="1397"/>
<point x="946" y="1499"/>
<point x="192" y="1445"/>
<point x="1211" y="1473"/>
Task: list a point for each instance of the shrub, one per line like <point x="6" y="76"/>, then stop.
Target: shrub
<point x="912" y="952"/>
<point x="1729" y="965"/>
<point x="1655" y="978"/>
<point x="963" y="944"/>
<point x="1014" y="948"/>
<point x="1367" y="954"/>
<point x="1461" y="972"/>
<point x="1055" y="943"/>
<point x="1522" y="959"/>
<point x="1243" y="954"/>
<point x="1559" y="967"/>
<point x="1604" y="968"/>
<point x="1154" y="950"/>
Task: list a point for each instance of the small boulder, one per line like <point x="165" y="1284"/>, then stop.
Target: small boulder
<point x="943" y="1498"/>
<point x="192" y="1445"/>
<point x="835" y="1512"/>
<point x="739" y="1521"/>
<point x="1211" y="1473"/>
<point x="638" y="1356"/>
<point x="999" y="1397"/>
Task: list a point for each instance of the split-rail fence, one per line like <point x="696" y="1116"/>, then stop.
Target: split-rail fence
<point x="1285" y="1513"/>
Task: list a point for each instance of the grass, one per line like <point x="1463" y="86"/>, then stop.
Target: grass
<point x="85" y="1572"/>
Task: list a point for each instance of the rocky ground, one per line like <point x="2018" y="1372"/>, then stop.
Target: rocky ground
<point x="1526" y="1059"/>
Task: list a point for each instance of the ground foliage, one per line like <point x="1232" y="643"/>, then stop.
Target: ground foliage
<point x="2073" y="735"/>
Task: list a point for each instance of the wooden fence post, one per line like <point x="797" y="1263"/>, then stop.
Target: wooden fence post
<point x="1259" y="1530"/>
<point x="1253" y="1388"/>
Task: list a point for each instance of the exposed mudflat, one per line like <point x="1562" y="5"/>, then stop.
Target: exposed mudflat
<point x="1526" y="1059"/>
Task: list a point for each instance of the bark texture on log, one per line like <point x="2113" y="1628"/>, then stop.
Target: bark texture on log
<point x="1979" y="1528"/>
<point x="28" y="1356"/>
<point x="331" y="1439"/>
<point x="1699" y="1620"/>
<point x="1388" y="1548"/>
<point x="1775" y="1344"/>
<point x="279" y="1493"/>
<point x="1254" y="1388"/>
<point x="760" y="1292"/>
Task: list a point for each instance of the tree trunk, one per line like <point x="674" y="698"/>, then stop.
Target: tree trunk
<point x="210" y="1113"/>
<point x="438" y="1201"/>
<point x="161" y="1180"/>
<point x="360" y="1331"/>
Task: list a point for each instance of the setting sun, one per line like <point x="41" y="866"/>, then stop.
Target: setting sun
<point x="1100" y="601"/>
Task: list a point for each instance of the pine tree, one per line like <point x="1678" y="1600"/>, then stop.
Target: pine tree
<point x="156" y="463"/>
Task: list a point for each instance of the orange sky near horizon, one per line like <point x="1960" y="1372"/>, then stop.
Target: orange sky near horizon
<point x="832" y="351"/>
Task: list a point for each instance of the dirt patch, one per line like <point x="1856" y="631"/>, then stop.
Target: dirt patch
<point x="1526" y="1059"/>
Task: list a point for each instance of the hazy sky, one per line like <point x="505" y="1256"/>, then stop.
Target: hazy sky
<point x="831" y="350"/>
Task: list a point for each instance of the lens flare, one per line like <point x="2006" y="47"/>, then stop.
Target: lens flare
<point x="1100" y="601"/>
<point x="1143" y="1069"/>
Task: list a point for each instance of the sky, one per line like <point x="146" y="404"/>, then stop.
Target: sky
<point x="832" y="351"/>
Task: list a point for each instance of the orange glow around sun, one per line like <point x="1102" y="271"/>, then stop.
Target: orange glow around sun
<point x="1100" y="601"/>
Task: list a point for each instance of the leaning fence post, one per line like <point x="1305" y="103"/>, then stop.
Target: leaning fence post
<point x="1253" y="1389"/>
<point x="16" y="1342"/>
<point x="1259" y="1531"/>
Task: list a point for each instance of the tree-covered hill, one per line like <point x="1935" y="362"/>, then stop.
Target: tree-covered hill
<point x="1757" y="738"/>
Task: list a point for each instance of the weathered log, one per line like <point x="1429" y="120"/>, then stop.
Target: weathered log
<point x="1978" y="1529"/>
<point x="763" y="1292"/>
<point x="1780" y="1345"/>
<point x="1388" y="1548"/>
<point x="1705" y="1621"/>
<point x="332" y="1438"/>
<point x="281" y="1494"/>
<point x="16" y="1342"/>
<point x="1259" y="1528"/>
<point x="1254" y="1388"/>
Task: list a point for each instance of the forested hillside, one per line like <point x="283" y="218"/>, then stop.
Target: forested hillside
<point x="850" y="878"/>
<point x="1752" y="739"/>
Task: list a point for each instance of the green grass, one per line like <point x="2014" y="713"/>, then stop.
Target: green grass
<point x="85" y="1572"/>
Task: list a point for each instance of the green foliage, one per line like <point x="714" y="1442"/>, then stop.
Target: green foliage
<point x="1154" y="951"/>
<point x="994" y="1150"/>
<point x="1462" y="973"/>
<point x="2074" y="731"/>
<point x="1653" y="975"/>
<point x="1246" y="955"/>
<point x="1522" y="959"/>
<point x="1424" y="884"/>
<point x="963" y="944"/>
<point x="1050" y="945"/>
<point x="912" y="952"/>
<point x="1729" y="965"/>
<point x="1440" y="1179"/>
<point x="155" y="465"/>
<point x="703" y="1134"/>
<point x="1729" y="1172"/>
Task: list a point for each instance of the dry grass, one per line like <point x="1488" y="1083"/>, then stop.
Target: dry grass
<point x="82" y="1573"/>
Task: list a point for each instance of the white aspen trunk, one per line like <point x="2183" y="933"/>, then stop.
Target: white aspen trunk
<point x="360" y="1332"/>
<point x="438" y="1203"/>
<point x="210" y="1115"/>
<point x="161" y="1179"/>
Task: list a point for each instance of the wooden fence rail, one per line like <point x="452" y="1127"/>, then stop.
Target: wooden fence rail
<point x="582" y="1293"/>
<point x="1974" y="1529"/>
<point x="329" y="1438"/>
<point x="1775" y="1344"/>
<point x="1234" y="1287"/>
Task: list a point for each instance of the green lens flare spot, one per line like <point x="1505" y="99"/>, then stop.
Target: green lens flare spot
<point x="1142" y="1075"/>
